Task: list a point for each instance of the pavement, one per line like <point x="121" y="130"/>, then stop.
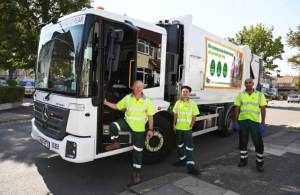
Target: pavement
<point x="220" y="176"/>
<point x="24" y="112"/>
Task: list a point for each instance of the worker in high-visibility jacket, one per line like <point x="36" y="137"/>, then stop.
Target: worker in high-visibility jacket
<point x="185" y="114"/>
<point x="249" y="104"/>
<point x="138" y="108"/>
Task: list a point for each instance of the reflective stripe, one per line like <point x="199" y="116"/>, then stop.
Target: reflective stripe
<point x="137" y="166"/>
<point x="186" y="113"/>
<point x="259" y="98"/>
<point x="182" y="158"/>
<point x="253" y="104"/>
<point x="135" y="118"/>
<point x="118" y="126"/>
<point x="191" y="149"/>
<point x="113" y="137"/>
<point x="192" y="104"/>
<point x="184" y="120"/>
<point x="246" y="156"/>
<point x="127" y="102"/>
<point x="180" y="145"/>
<point x="190" y="162"/>
<point x="260" y="155"/>
<point x="146" y="104"/>
<point x="137" y="149"/>
<point x="243" y="152"/>
<point x="259" y="160"/>
<point x="250" y="111"/>
<point x="240" y="95"/>
<point x="135" y="109"/>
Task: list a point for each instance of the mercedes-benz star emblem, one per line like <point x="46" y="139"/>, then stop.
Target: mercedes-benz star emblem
<point x="45" y="113"/>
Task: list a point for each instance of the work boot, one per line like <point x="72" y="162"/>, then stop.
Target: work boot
<point x="136" y="178"/>
<point x="113" y="146"/>
<point x="179" y="163"/>
<point x="194" y="171"/>
<point x="242" y="163"/>
<point x="260" y="168"/>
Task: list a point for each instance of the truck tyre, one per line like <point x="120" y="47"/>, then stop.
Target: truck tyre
<point x="161" y="144"/>
<point x="228" y="123"/>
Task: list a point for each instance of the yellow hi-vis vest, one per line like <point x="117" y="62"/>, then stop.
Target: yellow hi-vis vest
<point x="136" y="111"/>
<point x="185" y="112"/>
<point x="250" y="105"/>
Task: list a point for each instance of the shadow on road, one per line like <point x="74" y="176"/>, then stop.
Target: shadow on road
<point x="101" y="176"/>
<point x="284" y="108"/>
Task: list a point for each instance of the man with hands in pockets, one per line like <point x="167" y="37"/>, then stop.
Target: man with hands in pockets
<point x="185" y="114"/>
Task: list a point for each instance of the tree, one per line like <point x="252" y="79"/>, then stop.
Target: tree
<point x="18" y="39"/>
<point x="293" y="41"/>
<point x="261" y="42"/>
<point x="297" y="85"/>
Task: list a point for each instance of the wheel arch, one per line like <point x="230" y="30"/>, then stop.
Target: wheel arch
<point x="227" y="109"/>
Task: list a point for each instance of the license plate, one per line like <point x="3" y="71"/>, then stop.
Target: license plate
<point x="44" y="142"/>
<point x="292" y="100"/>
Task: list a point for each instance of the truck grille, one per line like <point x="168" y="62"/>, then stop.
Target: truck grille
<point x="56" y="120"/>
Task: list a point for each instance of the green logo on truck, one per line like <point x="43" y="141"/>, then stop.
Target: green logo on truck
<point x="212" y="68"/>
<point x="225" y="70"/>
<point x="219" y="69"/>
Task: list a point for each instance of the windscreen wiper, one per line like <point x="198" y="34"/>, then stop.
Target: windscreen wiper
<point x="47" y="97"/>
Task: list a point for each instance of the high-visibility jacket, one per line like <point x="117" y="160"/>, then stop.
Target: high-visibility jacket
<point x="136" y="111"/>
<point x="185" y="112"/>
<point x="250" y="105"/>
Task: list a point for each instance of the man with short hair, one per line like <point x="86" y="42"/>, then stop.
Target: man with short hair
<point x="185" y="114"/>
<point x="249" y="104"/>
<point x="138" y="107"/>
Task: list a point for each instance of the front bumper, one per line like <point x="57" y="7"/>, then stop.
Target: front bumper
<point x="85" y="149"/>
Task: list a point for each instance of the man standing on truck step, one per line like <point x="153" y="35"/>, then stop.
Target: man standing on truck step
<point x="249" y="104"/>
<point x="138" y="107"/>
<point x="185" y="114"/>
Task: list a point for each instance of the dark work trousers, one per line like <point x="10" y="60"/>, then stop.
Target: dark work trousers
<point x="249" y="126"/>
<point x="186" y="146"/>
<point x="138" y="140"/>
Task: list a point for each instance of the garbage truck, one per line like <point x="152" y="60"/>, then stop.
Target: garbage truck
<point x="93" y="54"/>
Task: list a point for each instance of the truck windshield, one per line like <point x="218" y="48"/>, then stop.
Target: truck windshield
<point x="58" y="56"/>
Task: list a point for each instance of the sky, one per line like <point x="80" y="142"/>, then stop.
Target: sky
<point x="223" y="18"/>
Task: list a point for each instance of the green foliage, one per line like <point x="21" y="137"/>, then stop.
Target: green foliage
<point x="297" y="84"/>
<point x="293" y="41"/>
<point x="9" y="94"/>
<point x="11" y="82"/>
<point x="261" y="42"/>
<point x="18" y="18"/>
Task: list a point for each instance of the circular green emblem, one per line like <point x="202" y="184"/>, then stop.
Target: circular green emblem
<point x="219" y="69"/>
<point x="212" y="67"/>
<point x="225" y="70"/>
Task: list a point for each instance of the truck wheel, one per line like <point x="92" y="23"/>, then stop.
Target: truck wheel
<point x="229" y="124"/>
<point x="161" y="144"/>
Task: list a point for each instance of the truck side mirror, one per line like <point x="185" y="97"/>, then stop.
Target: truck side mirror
<point x="113" y="54"/>
<point x="118" y="35"/>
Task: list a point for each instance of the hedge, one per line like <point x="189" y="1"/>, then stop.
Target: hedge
<point x="10" y="94"/>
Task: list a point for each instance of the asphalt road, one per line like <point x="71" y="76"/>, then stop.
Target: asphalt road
<point x="26" y="167"/>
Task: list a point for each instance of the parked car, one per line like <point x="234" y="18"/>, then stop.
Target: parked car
<point x="293" y="98"/>
<point x="271" y="94"/>
<point x="268" y="96"/>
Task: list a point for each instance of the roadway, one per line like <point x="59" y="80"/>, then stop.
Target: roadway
<point x="26" y="167"/>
